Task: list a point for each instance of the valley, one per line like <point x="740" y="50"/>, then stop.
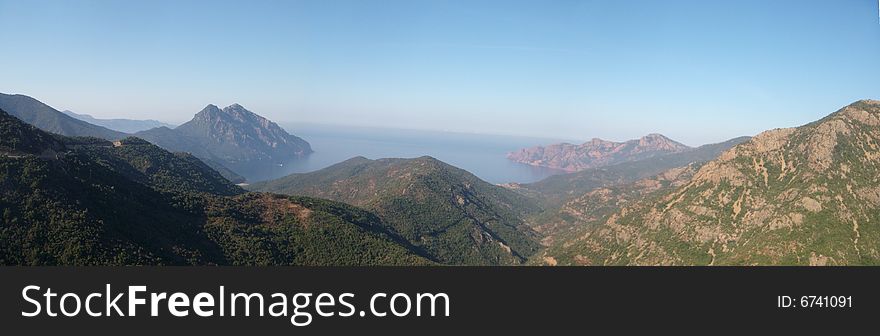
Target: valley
<point x="795" y="196"/>
<point x="88" y="195"/>
<point x="451" y="214"/>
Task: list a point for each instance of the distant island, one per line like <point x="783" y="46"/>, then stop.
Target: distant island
<point x="121" y="125"/>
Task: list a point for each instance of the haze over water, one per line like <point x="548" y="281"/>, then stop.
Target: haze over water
<point x="482" y="155"/>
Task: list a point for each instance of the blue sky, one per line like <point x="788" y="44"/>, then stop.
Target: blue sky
<point x="697" y="71"/>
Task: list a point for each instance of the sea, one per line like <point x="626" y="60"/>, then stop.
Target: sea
<point x="480" y="154"/>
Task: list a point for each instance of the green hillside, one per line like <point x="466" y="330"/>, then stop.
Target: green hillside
<point x="451" y="214"/>
<point x="87" y="201"/>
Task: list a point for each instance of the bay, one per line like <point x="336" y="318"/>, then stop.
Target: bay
<point x="480" y="154"/>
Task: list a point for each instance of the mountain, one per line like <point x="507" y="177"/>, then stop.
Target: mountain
<point x="43" y="116"/>
<point x="88" y="201"/>
<point x="121" y="125"/>
<point x="577" y="200"/>
<point x="234" y="141"/>
<point x="797" y="196"/>
<point x="596" y="153"/>
<point x="563" y="226"/>
<point x="238" y="139"/>
<point x="452" y="215"/>
<point x="558" y="188"/>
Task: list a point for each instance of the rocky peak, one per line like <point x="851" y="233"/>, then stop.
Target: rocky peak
<point x="655" y="137"/>
<point x="232" y="114"/>
<point x="210" y="108"/>
<point x="864" y="111"/>
<point x="871" y="102"/>
<point x="210" y="112"/>
<point x="237" y="110"/>
<point x="239" y="139"/>
<point x="658" y="141"/>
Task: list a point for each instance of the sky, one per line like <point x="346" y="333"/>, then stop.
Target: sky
<point x="696" y="71"/>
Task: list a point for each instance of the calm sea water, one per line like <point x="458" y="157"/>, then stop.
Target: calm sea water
<point x="482" y="155"/>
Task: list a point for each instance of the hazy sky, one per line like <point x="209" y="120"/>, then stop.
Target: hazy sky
<point x="696" y="71"/>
